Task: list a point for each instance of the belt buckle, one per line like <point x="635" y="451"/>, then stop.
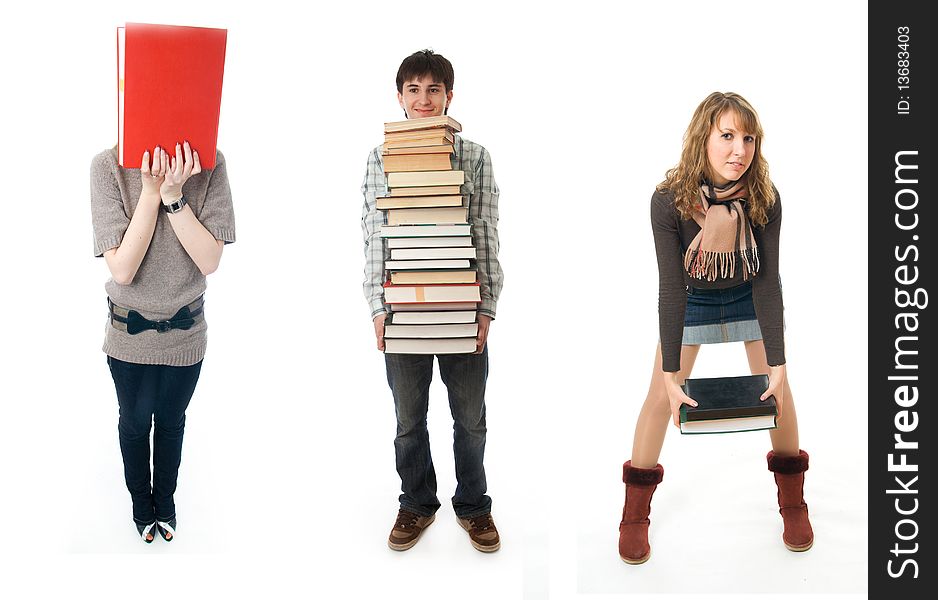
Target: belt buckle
<point x="163" y="326"/>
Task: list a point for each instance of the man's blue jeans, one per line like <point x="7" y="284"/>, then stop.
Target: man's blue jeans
<point x="409" y="376"/>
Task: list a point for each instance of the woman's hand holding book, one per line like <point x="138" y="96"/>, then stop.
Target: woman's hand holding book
<point x="778" y="377"/>
<point x="152" y="176"/>
<point x="178" y="170"/>
<point x="676" y="397"/>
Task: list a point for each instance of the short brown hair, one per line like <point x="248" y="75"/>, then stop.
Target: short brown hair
<point x="423" y="63"/>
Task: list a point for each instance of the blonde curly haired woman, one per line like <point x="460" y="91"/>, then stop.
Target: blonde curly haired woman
<point x="716" y="219"/>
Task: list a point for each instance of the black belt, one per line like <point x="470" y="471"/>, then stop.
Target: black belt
<point x="133" y="322"/>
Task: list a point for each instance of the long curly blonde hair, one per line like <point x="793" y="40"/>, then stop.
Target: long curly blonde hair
<point x="683" y="181"/>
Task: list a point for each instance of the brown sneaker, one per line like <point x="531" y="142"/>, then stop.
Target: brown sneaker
<point x="407" y="530"/>
<point x="482" y="533"/>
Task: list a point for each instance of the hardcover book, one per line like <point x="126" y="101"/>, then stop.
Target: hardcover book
<point x="424" y="230"/>
<point x="449" y="330"/>
<point x="411" y="294"/>
<point x="432" y="190"/>
<point x="169" y="82"/>
<point x="728" y="404"/>
<point x="440" y="136"/>
<point x="430" y="242"/>
<point x="424" y="277"/>
<point x="387" y="202"/>
<point x="424" y="123"/>
<point x="433" y="317"/>
<point x="432" y="253"/>
<point x="433" y="306"/>
<point x="389" y="146"/>
<point x="441" y="149"/>
<point x="428" y="216"/>
<point x="417" y="162"/>
<point x="425" y="179"/>
<point x="403" y="265"/>
<point x="430" y="346"/>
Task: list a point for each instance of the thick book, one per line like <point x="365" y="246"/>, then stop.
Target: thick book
<point x="432" y="253"/>
<point x="425" y="179"/>
<point x="388" y="203"/>
<point x="423" y="123"/>
<point x="402" y="265"/>
<point x="436" y="306"/>
<point x="431" y="190"/>
<point x="428" y="216"/>
<point x="169" y="82"/>
<point x="417" y="162"/>
<point x="438" y="276"/>
<point x="424" y="230"/>
<point x="419" y="294"/>
<point x="449" y="330"/>
<point x="465" y="345"/>
<point x="437" y="317"/>
<point x="440" y="149"/>
<point x="728" y="404"/>
<point x="430" y="242"/>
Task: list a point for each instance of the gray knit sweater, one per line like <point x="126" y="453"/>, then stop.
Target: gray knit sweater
<point x="673" y="235"/>
<point x="167" y="279"/>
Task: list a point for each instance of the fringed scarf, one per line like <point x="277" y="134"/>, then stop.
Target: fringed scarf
<point x="725" y="235"/>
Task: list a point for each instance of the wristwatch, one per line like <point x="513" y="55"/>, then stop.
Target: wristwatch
<point x="176" y="206"/>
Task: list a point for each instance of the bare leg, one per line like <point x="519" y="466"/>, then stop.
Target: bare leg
<point x="785" y="438"/>
<point x="655" y="417"/>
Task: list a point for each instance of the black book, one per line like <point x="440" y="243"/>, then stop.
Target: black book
<point x="727" y="404"/>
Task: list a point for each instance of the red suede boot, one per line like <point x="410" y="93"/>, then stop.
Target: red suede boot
<point x="789" y="477"/>
<point x="640" y="485"/>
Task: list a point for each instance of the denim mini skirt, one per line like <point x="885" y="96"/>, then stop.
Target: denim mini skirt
<point x="717" y="316"/>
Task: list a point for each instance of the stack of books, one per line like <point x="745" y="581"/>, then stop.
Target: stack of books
<point x="431" y="285"/>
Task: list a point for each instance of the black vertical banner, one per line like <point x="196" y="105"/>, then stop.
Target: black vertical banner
<point x="903" y="226"/>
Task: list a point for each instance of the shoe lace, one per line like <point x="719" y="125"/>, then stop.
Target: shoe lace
<point x="482" y="523"/>
<point x="406" y="520"/>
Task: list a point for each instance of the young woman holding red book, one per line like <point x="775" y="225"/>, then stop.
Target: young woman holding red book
<point x="716" y="219"/>
<point x="161" y="230"/>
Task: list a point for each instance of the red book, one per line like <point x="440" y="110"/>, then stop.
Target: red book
<point x="168" y="89"/>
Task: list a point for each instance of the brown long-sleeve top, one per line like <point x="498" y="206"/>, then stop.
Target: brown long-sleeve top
<point x="673" y="235"/>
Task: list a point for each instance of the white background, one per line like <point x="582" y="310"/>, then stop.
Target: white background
<point x="288" y="485"/>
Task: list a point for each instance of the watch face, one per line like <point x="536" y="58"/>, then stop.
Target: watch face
<point x="176" y="206"/>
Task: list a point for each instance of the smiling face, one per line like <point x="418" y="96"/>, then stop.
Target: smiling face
<point x="730" y="149"/>
<point x="424" y="97"/>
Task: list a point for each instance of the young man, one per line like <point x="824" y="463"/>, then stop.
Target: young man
<point x="425" y="89"/>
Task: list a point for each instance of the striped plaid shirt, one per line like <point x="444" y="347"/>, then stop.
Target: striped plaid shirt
<point x="480" y="186"/>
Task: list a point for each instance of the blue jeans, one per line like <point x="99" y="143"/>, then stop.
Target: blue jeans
<point x="159" y="393"/>
<point x="409" y="376"/>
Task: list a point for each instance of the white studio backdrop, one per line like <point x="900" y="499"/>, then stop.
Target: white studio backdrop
<point x="288" y="484"/>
